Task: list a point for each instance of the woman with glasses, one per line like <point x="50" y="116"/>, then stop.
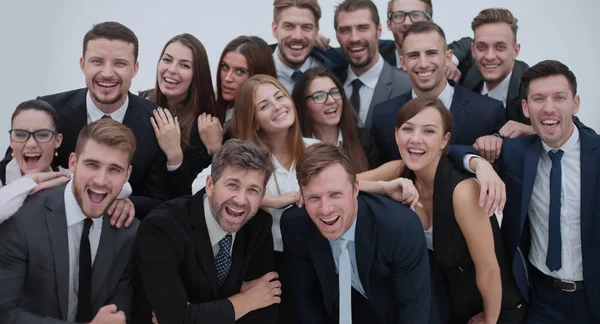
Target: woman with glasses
<point x="34" y="141"/>
<point x="326" y="113"/>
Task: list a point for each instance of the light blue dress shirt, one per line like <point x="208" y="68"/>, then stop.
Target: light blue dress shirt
<point x="335" y="248"/>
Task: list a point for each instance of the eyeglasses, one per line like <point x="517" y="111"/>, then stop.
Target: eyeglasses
<point x="320" y="97"/>
<point x="40" y="136"/>
<point x="398" y="17"/>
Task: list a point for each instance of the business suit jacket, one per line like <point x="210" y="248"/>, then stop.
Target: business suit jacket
<point x="34" y="263"/>
<point x="473" y="116"/>
<point x="332" y="59"/>
<point x="517" y="166"/>
<point x="149" y="162"/>
<point x="460" y="48"/>
<point x="177" y="264"/>
<point x="391" y="257"/>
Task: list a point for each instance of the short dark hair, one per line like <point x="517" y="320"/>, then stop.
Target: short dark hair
<point x="317" y="157"/>
<point x="37" y="105"/>
<point x="545" y="69"/>
<point x="353" y="5"/>
<point x="244" y="155"/>
<point x="427" y="3"/>
<point x="109" y="132"/>
<point x="495" y="16"/>
<point x="112" y="30"/>
<point x="422" y="27"/>
<point x="312" y="5"/>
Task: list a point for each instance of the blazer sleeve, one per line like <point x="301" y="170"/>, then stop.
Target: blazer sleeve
<point x="123" y="294"/>
<point x="457" y="154"/>
<point x="13" y="273"/>
<point x="461" y="49"/>
<point x="499" y="118"/>
<point x="13" y="195"/>
<point x="302" y="285"/>
<point x="159" y="251"/>
<point x="155" y="189"/>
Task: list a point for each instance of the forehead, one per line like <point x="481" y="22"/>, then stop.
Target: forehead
<point x="297" y="15"/>
<point x="264" y="91"/>
<point x="357" y="17"/>
<point x="177" y="49"/>
<point x="321" y="84"/>
<point x="409" y="5"/>
<point x="32" y="120"/>
<point x="497" y="32"/>
<point x="550" y="85"/>
<point x="233" y="58"/>
<point x="106" y="48"/>
<point x="104" y="154"/>
<point x="423" y="41"/>
<point x="247" y="177"/>
<point x="427" y="116"/>
<point x="332" y="178"/>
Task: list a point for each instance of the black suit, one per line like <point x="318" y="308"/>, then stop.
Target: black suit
<point x="177" y="264"/>
<point x="391" y="257"/>
<point x="148" y="162"/>
<point x="473" y="116"/>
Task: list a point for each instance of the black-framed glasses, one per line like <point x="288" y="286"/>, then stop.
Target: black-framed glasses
<point x="398" y="17"/>
<point x="320" y="97"/>
<point x="40" y="135"/>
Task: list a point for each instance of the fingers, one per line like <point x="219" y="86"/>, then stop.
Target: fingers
<point x="483" y="193"/>
<point x="111" y="209"/>
<point x="154" y="126"/>
<point x="270" y="276"/>
<point x="49" y="184"/>
<point x="112" y="308"/>
<point x="130" y="215"/>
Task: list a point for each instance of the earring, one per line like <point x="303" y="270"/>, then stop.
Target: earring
<point x="12" y="154"/>
<point x="55" y="152"/>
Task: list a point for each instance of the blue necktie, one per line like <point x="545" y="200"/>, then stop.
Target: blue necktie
<point x="345" y="282"/>
<point x="553" y="257"/>
<point x="296" y="75"/>
<point x="223" y="258"/>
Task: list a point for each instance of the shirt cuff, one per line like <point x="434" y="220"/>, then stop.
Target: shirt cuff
<point x="171" y="168"/>
<point x="466" y="160"/>
<point x="455" y="60"/>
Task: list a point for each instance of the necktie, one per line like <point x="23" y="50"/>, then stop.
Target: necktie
<point x="106" y="116"/>
<point x="84" y="303"/>
<point x="223" y="258"/>
<point x="296" y="75"/>
<point x="553" y="257"/>
<point x="345" y="282"/>
<point x="355" y="97"/>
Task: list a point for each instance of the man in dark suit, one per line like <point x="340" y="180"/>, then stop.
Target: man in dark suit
<point x="61" y="261"/>
<point x="425" y="56"/>
<point x="208" y="258"/>
<point x="374" y="244"/>
<point x="368" y="80"/>
<point x="552" y="184"/>
<point x="109" y="63"/>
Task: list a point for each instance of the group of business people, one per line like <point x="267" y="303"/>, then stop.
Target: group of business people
<point x="315" y="185"/>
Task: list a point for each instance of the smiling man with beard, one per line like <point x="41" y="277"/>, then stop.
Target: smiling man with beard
<point x="208" y="258"/>
<point x="61" y="261"/>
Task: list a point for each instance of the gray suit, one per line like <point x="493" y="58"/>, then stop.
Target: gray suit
<point x="34" y="263"/>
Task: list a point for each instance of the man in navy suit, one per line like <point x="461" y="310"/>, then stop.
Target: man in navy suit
<point x="551" y="216"/>
<point x="374" y="244"/>
<point x="424" y="58"/>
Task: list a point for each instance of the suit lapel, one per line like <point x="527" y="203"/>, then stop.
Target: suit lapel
<point x="589" y="181"/>
<point x="532" y="157"/>
<point x="56" y="222"/>
<point x="364" y="244"/>
<point x="202" y="243"/>
<point x="459" y="113"/>
<point x="70" y="124"/>
<point x="382" y="92"/>
<point x="513" y="96"/>
<point x="133" y="115"/>
<point x="104" y="256"/>
<point x="325" y="268"/>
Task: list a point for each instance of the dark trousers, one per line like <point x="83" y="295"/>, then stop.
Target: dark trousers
<point x="286" y="310"/>
<point x="551" y="305"/>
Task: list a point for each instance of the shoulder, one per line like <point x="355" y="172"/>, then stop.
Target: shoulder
<point x="309" y="141"/>
<point x="395" y="102"/>
<point x="295" y="220"/>
<point x="57" y="99"/>
<point x="478" y="101"/>
<point x="168" y="215"/>
<point x="466" y="192"/>
<point x="520" y="67"/>
<point x="260" y="221"/>
<point x="388" y="213"/>
<point x="141" y="103"/>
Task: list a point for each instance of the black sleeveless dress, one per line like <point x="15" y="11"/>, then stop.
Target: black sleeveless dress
<point x="451" y="255"/>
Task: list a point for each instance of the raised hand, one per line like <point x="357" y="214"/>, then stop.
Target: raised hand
<point x="168" y="134"/>
<point x="211" y="132"/>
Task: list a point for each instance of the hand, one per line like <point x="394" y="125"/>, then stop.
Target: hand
<point x="493" y="190"/>
<point x="514" y="129"/>
<point x="47" y="180"/>
<point x="322" y="42"/>
<point x="264" y="291"/>
<point x="452" y="72"/>
<point x="290" y="198"/>
<point x="120" y="211"/>
<point x="489" y="146"/>
<point x="211" y="132"/>
<point x="480" y="319"/>
<point x="168" y="134"/>
<point x="402" y="190"/>
<point x="109" y="315"/>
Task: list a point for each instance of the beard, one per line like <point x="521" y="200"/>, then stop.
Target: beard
<point x="109" y="101"/>
<point x="217" y="211"/>
<point x="78" y="193"/>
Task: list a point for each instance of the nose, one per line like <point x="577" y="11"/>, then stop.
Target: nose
<point x="326" y="207"/>
<point x="297" y="32"/>
<point x="100" y="177"/>
<point x="107" y="70"/>
<point x="239" y="198"/>
<point x="31" y="141"/>
<point x="172" y="68"/>
<point x="329" y="99"/>
<point x="416" y="137"/>
<point x="229" y="76"/>
<point x="423" y="62"/>
<point x="489" y="54"/>
<point x="354" y="37"/>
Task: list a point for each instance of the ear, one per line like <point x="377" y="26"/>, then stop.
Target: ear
<point x="403" y="62"/>
<point x="525" y="108"/>
<point x="129" y="172"/>
<point x="389" y="25"/>
<point x="473" y="48"/>
<point x="274" y="29"/>
<point x="72" y="162"/>
<point x="82" y="64"/>
<point x="576" y="101"/>
<point x="379" y="31"/>
<point x="517" y="49"/>
<point x="210" y="186"/>
<point x="445" y="140"/>
<point x="136" y="66"/>
<point x="449" y="55"/>
<point x="355" y="193"/>
<point x="58" y="140"/>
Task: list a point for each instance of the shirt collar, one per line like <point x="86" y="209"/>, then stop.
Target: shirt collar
<point x="398" y="62"/>
<point x="500" y="92"/>
<point x="569" y="145"/>
<point x="349" y="234"/>
<point x="94" y="113"/>
<point x="286" y="70"/>
<point x="445" y="96"/>
<point x="370" y="77"/>
<point x="73" y="210"/>
<point x="340" y="140"/>
<point x="215" y="232"/>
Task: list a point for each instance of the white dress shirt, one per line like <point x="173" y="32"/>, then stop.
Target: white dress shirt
<point x="445" y="96"/>
<point x="284" y="72"/>
<point x="570" y="211"/>
<point x="94" y="113"/>
<point x="349" y="236"/>
<point x="75" y="218"/>
<point x="369" y="80"/>
<point x="286" y="181"/>
<point x="500" y="92"/>
<point x="215" y="231"/>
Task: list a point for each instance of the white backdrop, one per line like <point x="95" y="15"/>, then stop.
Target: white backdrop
<point x="42" y="40"/>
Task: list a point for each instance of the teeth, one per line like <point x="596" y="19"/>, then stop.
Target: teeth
<point x="171" y="80"/>
<point x="549" y="122"/>
<point x="107" y="84"/>
<point x="98" y="191"/>
<point x="490" y="66"/>
<point x="330" y="219"/>
<point x="32" y="154"/>
<point x="235" y="210"/>
<point x="356" y="49"/>
<point x="414" y="151"/>
<point x="331" y="111"/>
<point x="280" y="116"/>
<point x="296" y="47"/>
<point x="425" y="74"/>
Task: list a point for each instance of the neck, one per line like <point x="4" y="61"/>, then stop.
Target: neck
<point x="361" y="70"/>
<point x="288" y="63"/>
<point x="174" y="102"/>
<point x="399" y="48"/>
<point x="327" y="133"/>
<point x="280" y="148"/>
<point x="425" y="178"/>
<point x="435" y="92"/>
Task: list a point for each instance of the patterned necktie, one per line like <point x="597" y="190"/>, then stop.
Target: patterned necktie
<point x="296" y="75"/>
<point x="84" y="295"/>
<point x="345" y="282"/>
<point x="553" y="256"/>
<point x="223" y="258"/>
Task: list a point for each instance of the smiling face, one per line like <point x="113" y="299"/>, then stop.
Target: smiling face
<point x="424" y="59"/>
<point x="31" y="155"/>
<point x="233" y="73"/>
<point x="174" y="72"/>
<point x="550" y="105"/>
<point x="359" y="36"/>
<point x="235" y="197"/>
<point x="330" y="200"/>
<point x="274" y="109"/>
<point x="495" y="51"/>
<point x="422" y="139"/>
<point x="296" y="32"/>
<point x="109" y="67"/>
<point x="328" y="113"/>
<point x="99" y="173"/>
